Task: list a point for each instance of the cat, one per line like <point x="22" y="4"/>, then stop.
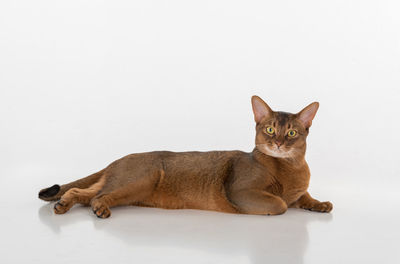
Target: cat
<point x="267" y="181"/>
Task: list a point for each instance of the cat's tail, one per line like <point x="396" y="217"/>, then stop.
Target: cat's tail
<point x="55" y="192"/>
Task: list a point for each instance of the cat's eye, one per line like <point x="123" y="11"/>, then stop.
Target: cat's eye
<point x="292" y="133"/>
<point x="270" y="130"/>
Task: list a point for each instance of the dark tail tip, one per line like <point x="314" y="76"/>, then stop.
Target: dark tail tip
<point x="48" y="193"/>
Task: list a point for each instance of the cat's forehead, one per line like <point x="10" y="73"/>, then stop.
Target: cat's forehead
<point x="281" y="118"/>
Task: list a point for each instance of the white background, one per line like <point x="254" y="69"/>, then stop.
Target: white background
<point x="83" y="83"/>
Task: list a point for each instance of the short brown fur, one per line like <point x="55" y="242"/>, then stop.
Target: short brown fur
<point x="273" y="177"/>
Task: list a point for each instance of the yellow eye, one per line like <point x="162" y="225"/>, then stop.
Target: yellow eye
<point x="292" y="133"/>
<point x="270" y="130"/>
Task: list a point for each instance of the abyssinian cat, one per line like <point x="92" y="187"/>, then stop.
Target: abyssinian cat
<point x="273" y="177"/>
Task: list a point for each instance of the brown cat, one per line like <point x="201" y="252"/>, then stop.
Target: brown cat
<point x="267" y="181"/>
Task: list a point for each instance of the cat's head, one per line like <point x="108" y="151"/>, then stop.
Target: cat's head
<point x="281" y="134"/>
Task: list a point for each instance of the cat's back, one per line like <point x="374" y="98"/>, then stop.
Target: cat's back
<point x="198" y="160"/>
<point x="187" y="165"/>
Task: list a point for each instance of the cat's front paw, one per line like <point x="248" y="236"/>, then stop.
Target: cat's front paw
<point x="323" y="207"/>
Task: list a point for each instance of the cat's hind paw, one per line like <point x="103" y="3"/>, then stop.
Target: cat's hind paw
<point x="101" y="210"/>
<point x="61" y="207"/>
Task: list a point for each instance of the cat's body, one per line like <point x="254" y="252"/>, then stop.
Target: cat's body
<point x="264" y="181"/>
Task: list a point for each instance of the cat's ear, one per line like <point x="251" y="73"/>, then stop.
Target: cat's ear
<point x="260" y="109"/>
<point x="307" y="115"/>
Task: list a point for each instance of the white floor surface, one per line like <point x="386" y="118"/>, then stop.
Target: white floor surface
<point x="362" y="228"/>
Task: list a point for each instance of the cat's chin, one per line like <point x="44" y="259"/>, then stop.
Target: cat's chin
<point x="277" y="153"/>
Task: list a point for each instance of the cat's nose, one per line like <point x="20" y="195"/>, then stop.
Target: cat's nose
<point x="278" y="143"/>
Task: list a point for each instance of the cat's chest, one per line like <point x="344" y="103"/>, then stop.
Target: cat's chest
<point x="290" y="186"/>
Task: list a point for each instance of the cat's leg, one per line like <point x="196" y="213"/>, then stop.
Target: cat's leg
<point x="253" y="201"/>
<point x="132" y="193"/>
<point x="220" y="204"/>
<point x="71" y="197"/>
<point x="76" y="195"/>
<point x="309" y="203"/>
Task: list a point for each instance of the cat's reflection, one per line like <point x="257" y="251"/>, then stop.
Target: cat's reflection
<point x="55" y="222"/>
<point x="262" y="239"/>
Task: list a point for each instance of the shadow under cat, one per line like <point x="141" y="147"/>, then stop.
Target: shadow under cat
<point x="262" y="239"/>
